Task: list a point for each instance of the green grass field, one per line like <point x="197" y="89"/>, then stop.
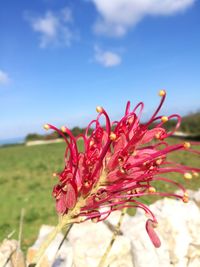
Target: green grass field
<point x="26" y="182"/>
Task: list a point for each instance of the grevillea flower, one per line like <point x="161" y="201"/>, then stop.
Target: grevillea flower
<point x="117" y="166"/>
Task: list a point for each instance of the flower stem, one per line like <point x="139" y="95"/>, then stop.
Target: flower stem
<point x="115" y="233"/>
<point x="69" y="226"/>
<point x="40" y="254"/>
<point x="64" y="221"/>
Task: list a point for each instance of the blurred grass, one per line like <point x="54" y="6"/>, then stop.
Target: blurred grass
<point x="26" y="182"/>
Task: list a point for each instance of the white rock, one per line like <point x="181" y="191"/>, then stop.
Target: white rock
<point x="90" y="240"/>
<point x="193" y="255"/>
<point x="195" y="196"/>
<point x="178" y="229"/>
<point x="64" y="257"/>
<point x="10" y="254"/>
<point x="143" y="252"/>
<point x="179" y="225"/>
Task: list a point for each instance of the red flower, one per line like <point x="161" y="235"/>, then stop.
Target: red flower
<point x="118" y="165"/>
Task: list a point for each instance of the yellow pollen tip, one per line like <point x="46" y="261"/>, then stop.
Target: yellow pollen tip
<point x="152" y="189"/>
<point x="158" y="161"/>
<point x="185" y="199"/>
<point x="46" y="127"/>
<point x="54" y="174"/>
<point x="65" y="188"/>
<point x="186" y="194"/>
<point x="145" y="163"/>
<point x="188" y="175"/>
<point x="97" y="199"/>
<point x="120" y="159"/>
<point x="162" y="93"/>
<point x="113" y="136"/>
<point x="154" y="225"/>
<point x="95" y="220"/>
<point x="58" y="196"/>
<point x="99" y="109"/>
<point x="164" y="119"/>
<point x="122" y="170"/>
<point x="63" y="129"/>
<point x="86" y="184"/>
<point x="133" y="153"/>
<point x="187" y="145"/>
<point x="157" y="136"/>
<point x="91" y="143"/>
<point x="130" y="120"/>
<point x="195" y="174"/>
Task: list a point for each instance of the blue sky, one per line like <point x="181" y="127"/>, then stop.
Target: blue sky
<point x="60" y="59"/>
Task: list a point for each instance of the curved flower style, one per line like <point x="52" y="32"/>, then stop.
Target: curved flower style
<point x="117" y="167"/>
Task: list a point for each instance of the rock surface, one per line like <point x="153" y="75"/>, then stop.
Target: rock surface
<point x="89" y="242"/>
<point x="10" y="255"/>
<point x="63" y="258"/>
<point x="178" y="229"/>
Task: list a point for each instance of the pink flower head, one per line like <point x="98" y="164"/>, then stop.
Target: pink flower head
<point x="118" y="165"/>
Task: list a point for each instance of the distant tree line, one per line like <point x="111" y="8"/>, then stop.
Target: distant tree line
<point x="190" y="124"/>
<point x="54" y="135"/>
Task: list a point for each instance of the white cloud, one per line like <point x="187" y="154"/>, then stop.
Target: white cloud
<point x="4" y="78"/>
<point x="67" y="14"/>
<point x="107" y="58"/>
<point x="117" y="16"/>
<point x="53" y="28"/>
